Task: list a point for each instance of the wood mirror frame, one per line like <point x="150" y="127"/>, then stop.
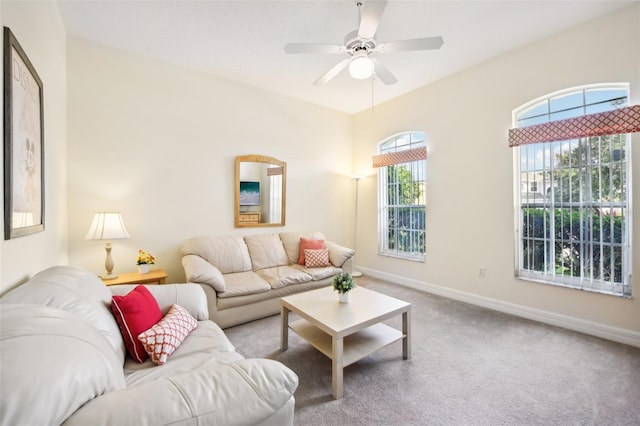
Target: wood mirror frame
<point x="256" y="191"/>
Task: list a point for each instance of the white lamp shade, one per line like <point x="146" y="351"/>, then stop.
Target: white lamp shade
<point x="361" y="67"/>
<point x="107" y="226"/>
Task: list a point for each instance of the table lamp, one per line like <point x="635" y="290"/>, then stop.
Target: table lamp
<point x="107" y="226"/>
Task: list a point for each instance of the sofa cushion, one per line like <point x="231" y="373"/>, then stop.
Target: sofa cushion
<point x="53" y="362"/>
<point x="305" y="244"/>
<point x="242" y="283"/>
<point x="282" y="276"/>
<point x="316" y="258"/>
<point x="161" y="340"/>
<point x="318" y="273"/>
<point x="228" y="254"/>
<point x="135" y="312"/>
<point x="266" y="251"/>
<point x="207" y="340"/>
<point x="291" y="242"/>
<point x="74" y="290"/>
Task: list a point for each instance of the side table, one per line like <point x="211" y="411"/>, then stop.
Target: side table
<point x="155" y="276"/>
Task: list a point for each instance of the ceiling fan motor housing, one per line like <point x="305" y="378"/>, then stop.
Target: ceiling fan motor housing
<point x="354" y="44"/>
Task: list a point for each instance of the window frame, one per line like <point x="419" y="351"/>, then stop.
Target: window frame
<point x="419" y="167"/>
<point x="624" y="288"/>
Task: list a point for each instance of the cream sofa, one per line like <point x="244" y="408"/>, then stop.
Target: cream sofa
<point x="63" y="362"/>
<point x="245" y="277"/>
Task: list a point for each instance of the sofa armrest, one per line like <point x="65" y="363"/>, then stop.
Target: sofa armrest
<point x="189" y="296"/>
<point x="214" y="393"/>
<point x="338" y="254"/>
<point x="198" y="270"/>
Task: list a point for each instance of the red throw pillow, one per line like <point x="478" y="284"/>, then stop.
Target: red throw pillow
<point x="135" y="312"/>
<point x="309" y="244"/>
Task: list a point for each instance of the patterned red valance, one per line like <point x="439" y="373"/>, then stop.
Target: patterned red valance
<point x="623" y="120"/>
<point x="399" y="157"/>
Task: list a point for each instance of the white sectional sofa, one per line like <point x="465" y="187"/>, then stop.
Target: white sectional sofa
<point x="63" y="362"/>
<point x="245" y="277"/>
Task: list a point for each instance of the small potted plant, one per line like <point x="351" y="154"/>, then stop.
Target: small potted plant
<point x="343" y="283"/>
<point x="144" y="260"/>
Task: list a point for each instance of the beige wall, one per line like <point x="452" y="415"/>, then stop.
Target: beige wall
<point x="39" y="30"/>
<point x="470" y="177"/>
<point x="157" y="142"/>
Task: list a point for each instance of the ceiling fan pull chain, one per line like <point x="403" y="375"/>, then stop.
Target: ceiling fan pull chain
<point x="373" y="76"/>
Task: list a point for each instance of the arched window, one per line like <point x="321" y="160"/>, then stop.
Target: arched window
<point x="572" y="194"/>
<point x="401" y="163"/>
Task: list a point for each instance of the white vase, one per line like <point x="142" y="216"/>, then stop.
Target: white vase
<point x="343" y="297"/>
<point x="143" y="269"/>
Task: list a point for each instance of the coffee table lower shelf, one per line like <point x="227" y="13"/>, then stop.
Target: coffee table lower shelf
<point x="355" y="347"/>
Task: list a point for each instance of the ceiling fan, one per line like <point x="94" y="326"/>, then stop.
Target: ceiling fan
<point x="361" y="43"/>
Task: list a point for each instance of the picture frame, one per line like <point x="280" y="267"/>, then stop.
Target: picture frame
<point x="249" y="193"/>
<point x="23" y="142"/>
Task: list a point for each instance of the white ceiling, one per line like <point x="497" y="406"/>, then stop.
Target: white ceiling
<point x="243" y="40"/>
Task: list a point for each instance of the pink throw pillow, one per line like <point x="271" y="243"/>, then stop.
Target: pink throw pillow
<point x="308" y="244"/>
<point x="163" y="338"/>
<point x="316" y="258"/>
<point x="135" y="312"/>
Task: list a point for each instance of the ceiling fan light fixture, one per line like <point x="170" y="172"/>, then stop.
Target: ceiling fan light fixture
<point x="361" y="67"/>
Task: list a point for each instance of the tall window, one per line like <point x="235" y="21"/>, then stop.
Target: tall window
<point x="401" y="197"/>
<point x="572" y="197"/>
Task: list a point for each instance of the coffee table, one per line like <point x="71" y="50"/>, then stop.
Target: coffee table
<point x="345" y="332"/>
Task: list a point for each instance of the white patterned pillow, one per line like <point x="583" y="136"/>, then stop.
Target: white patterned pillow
<point x="316" y="258"/>
<point x="163" y="338"/>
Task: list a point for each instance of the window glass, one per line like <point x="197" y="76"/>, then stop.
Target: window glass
<point x="572" y="224"/>
<point x="402" y="200"/>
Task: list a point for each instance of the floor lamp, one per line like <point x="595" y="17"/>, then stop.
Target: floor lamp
<point x="355" y="273"/>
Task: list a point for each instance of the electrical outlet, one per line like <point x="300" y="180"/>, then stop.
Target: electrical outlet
<point x="481" y="272"/>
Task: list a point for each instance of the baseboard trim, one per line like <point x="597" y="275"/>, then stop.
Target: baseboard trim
<point x="603" y="331"/>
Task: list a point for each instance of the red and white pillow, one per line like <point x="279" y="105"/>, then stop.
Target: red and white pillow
<point x="135" y="312"/>
<point x="316" y="258"/>
<point x="161" y="340"/>
<point x="145" y="331"/>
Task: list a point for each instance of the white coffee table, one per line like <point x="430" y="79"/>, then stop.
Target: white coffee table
<point x="345" y="332"/>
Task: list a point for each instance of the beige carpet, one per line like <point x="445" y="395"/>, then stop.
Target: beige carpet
<point x="469" y="366"/>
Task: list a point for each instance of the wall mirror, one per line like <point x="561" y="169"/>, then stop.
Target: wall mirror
<point x="260" y="191"/>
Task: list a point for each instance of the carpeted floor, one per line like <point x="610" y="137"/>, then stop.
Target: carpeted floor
<point x="469" y="366"/>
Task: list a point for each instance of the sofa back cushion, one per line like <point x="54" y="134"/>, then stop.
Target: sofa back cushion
<point x="74" y="290"/>
<point x="53" y="362"/>
<point x="266" y="251"/>
<point x="291" y="242"/>
<point x="228" y="254"/>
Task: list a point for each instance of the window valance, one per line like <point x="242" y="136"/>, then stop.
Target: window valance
<point x="399" y="157"/>
<point x="274" y="171"/>
<point x="623" y="120"/>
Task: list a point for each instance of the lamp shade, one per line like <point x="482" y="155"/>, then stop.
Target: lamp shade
<point x="107" y="226"/>
<point x="361" y="66"/>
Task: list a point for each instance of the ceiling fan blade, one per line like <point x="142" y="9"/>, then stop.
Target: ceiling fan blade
<point x="383" y="72"/>
<point x="427" y="43"/>
<point x="371" y="13"/>
<point x="329" y="75"/>
<point x="313" y="48"/>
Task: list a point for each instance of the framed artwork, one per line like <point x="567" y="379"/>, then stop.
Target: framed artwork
<point x="23" y="143"/>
